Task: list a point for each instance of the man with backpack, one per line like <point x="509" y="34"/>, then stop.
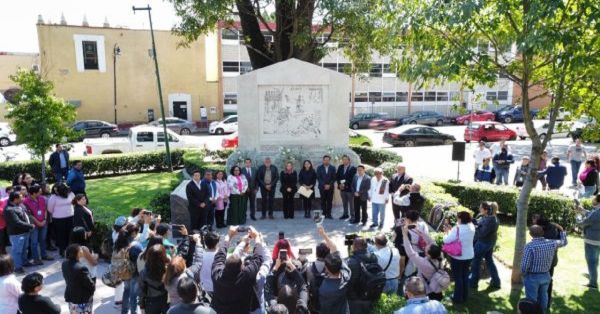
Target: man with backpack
<point x="367" y="278"/>
<point x="388" y="259"/>
<point x="333" y="286"/>
<point x="315" y="273"/>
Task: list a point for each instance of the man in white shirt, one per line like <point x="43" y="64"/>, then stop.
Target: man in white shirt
<point x="480" y="154"/>
<point x="379" y="195"/>
<point x="389" y="259"/>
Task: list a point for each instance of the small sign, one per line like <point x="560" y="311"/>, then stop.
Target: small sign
<point x="213" y="110"/>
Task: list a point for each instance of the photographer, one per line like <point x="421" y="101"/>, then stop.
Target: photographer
<point x="284" y="274"/>
<point x="359" y="260"/>
<point x="315" y="273"/>
<point x="389" y="260"/>
<point x="333" y="290"/>
<point x="417" y="241"/>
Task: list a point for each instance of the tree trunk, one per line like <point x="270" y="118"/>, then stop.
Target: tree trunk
<point x="259" y="54"/>
<point x="43" y="168"/>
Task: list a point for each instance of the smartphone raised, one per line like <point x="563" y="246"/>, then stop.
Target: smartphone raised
<point x="283" y="255"/>
<point x="307" y="251"/>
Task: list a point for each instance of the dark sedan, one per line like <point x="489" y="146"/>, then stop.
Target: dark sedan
<point x="96" y="128"/>
<point x="424" y="117"/>
<point x="416" y="135"/>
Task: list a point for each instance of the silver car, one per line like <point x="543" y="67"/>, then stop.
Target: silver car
<point x="177" y="125"/>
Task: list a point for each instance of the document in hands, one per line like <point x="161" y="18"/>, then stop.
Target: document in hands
<point x="305" y="192"/>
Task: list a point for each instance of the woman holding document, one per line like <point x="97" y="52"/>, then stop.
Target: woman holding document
<point x="307" y="179"/>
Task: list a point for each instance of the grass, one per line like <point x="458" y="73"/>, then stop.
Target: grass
<point x="569" y="295"/>
<point x="114" y="196"/>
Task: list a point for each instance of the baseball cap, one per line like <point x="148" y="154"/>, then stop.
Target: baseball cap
<point x="120" y="221"/>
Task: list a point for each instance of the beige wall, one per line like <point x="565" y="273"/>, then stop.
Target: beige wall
<point x="182" y="71"/>
<point x="9" y="63"/>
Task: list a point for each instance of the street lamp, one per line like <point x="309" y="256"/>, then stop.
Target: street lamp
<point x="116" y="52"/>
<point x="160" y="96"/>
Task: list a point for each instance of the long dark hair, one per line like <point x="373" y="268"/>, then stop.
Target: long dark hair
<point x="309" y="162"/>
<point x="152" y="241"/>
<point x="77" y="198"/>
<point x="156" y="262"/>
<point x="63" y="190"/>
<point x="77" y="236"/>
<point x="123" y="240"/>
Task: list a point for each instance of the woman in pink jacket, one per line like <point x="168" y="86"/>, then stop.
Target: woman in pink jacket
<point x="222" y="200"/>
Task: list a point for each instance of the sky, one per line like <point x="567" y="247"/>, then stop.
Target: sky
<point x="18" y="18"/>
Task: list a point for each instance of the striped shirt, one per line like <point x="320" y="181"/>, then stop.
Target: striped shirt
<point x="539" y="253"/>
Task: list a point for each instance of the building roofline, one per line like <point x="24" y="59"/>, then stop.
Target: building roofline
<point x="104" y="27"/>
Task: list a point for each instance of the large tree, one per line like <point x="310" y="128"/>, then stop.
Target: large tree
<point x="37" y="117"/>
<point x="553" y="44"/>
<point x="300" y="28"/>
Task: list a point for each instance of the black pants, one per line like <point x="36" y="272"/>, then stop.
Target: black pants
<point x="550" y="286"/>
<point x="326" y="201"/>
<point x="438" y="296"/>
<point x="157" y="305"/>
<point x="306" y="205"/>
<point x="195" y="217"/>
<point x="288" y="204"/>
<point x="3" y="240"/>
<point x="360" y="210"/>
<point x="62" y="230"/>
<point x="220" y="218"/>
<point x="396" y="211"/>
<point x="267" y="201"/>
<point x="252" y="202"/>
<point x="208" y="215"/>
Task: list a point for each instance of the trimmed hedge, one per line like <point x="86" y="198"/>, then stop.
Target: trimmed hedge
<point x="99" y="166"/>
<point x="436" y="195"/>
<point x="371" y="156"/>
<point x="193" y="160"/>
<point x="555" y="207"/>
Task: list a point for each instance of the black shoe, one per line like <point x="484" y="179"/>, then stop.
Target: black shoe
<point x="354" y="222"/>
<point x="253" y="218"/>
<point x="344" y="217"/>
<point x="19" y="271"/>
<point x="590" y="286"/>
<point x="48" y="258"/>
<point x="271" y="217"/>
<point x="38" y="263"/>
<point x="28" y="264"/>
<point x="263" y="217"/>
<point x="328" y="217"/>
<point x="373" y="226"/>
<point x="364" y="224"/>
<point x="51" y="248"/>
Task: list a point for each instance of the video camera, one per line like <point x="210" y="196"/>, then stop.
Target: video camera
<point x="349" y="239"/>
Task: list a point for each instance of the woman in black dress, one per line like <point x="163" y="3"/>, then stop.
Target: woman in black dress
<point x="307" y="178"/>
<point x="289" y="186"/>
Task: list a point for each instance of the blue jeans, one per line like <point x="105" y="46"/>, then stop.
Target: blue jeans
<point x="378" y="213"/>
<point x="38" y="238"/>
<point x="130" y="296"/>
<point x="536" y="288"/>
<point x="18" y="249"/>
<point x="391" y="286"/>
<point x="501" y="175"/>
<point x="588" y="191"/>
<point x="575" y="165"/>
<point x="460" y="270"/>
<point x="483" y="250"/>
<point x="591" y="257"/>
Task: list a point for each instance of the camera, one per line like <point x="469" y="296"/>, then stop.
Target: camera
<point x="242" y="229"/>
<point x="318" y="217"/>
<point x="283" y="255"/>
<point x="411" y="226"/>
<point x="349" y="239"/>
<point x="307" y="251"/>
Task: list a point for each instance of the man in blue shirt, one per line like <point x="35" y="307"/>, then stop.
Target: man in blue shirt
<point x="76" y="180"/>
<point x="418" y="302"/>
<point x="213" y="194"/>
<point x="537" y="260"/>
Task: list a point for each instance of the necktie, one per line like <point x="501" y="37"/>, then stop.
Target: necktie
<point x="249" y="172"/>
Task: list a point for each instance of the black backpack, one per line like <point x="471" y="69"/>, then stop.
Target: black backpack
<point x="372" y="280"/>
<point x="313" y="289"/>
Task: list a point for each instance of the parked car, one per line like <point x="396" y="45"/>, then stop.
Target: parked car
<point x="358" y="139"/>
<point x="140" y="138"/>
<point x="488" y="132"/>
<point x="416" y="135"/>
<point x="230" y="141"/>
<point x="362" y="120"/>
<point x="561" y="129"/>
<point x="177" y="125"/>
<point x="424" y="117"/>
<point x="513" y="114"/>
<point x="383" y="124"/>
<point x="96" y="128"/>
<point x="474" y="116"/>
<point x="7" y="136"/>
<point x="227" y="125"/>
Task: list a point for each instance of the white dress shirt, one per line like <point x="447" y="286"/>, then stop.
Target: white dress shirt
<point x="383" y="258"/>
<point x="479" y="155"/>
<point x="374" y="191"/>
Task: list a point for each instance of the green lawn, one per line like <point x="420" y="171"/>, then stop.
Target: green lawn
<point x="569" y="294"/>
<point x="113" y="196"/>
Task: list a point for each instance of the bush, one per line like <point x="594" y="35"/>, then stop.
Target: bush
<point x="193" y="160"/>
<point x="220" y="154"/>
<point x="435" y="195"/>
<point x="388" y="304"/>
<point x="371" y="156"/>
<point x="555" y="207"/>
<point x="98" y="166"/>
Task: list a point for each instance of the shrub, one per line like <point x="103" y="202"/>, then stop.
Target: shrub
<point x="161" y="205"/>
<point x="373" y="156"/>
<point x="435" y="195"/>
<point x="99" y="166"/>
<point x="388" y="304"/>
<point x="193" y="160"/>
<point x="556" y="207"/>
<point x="220" y="154"/>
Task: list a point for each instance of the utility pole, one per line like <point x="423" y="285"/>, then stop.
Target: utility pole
<point x="160" y="96"/>
<point x="116" y="52"/>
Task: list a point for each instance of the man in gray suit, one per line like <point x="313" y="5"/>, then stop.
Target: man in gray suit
<point x="250" y="173"/>
<point x="360" y="189"/>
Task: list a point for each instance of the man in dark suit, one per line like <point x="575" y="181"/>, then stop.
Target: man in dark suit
<point x="213" y="194"/>
<point x="361" y="184"/>
<point x="399" y="185"/>
<point x="326" y="176"/>
<point x="198" y="199"/>
<point x="345" y="174"/>
<point x="59" y="163"/>
<point x="266" y="178"/>
<point x="250" y="173"/>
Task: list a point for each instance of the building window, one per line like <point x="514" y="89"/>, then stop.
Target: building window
<point x="245" y="67"/>
<point x="229" y="34"/>
<point x="361" y="97"/>
<point x="429" y="96"/>
<point x="231" y="66"/>
<point x="145" y="137"/>
<point x="376" y="70"/>
<point x="90" y="55"/>
<point x="389" y="96"/>
<point x="344" y="67"/>
<point x="503" y="95"/>
<point x="417" y="96"/>
<point x="491" y="96"/>
<point x="375" y="96"/>
<point x="230" y="99"/>
<point x="330" y="66"/>
<point x="442" y="96"/>
<point x="401" y="96"/>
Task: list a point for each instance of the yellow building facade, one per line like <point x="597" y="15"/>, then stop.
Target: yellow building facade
<point x="10" y="62"/>
<point x="80" y="62"/>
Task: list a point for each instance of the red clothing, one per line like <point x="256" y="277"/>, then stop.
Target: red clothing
<point x="3" y="202"/>
<point x="36" y="207"/>
<point x="283" y="245"/>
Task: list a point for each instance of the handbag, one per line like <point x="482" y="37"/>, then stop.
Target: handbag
<point x="453" y="248"/>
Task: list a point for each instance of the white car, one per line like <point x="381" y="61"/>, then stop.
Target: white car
<point x="7" y="136"/>
<point x="561" y="129"/>
<point x="140" y="138"/>
<point x="227" y="125"/>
